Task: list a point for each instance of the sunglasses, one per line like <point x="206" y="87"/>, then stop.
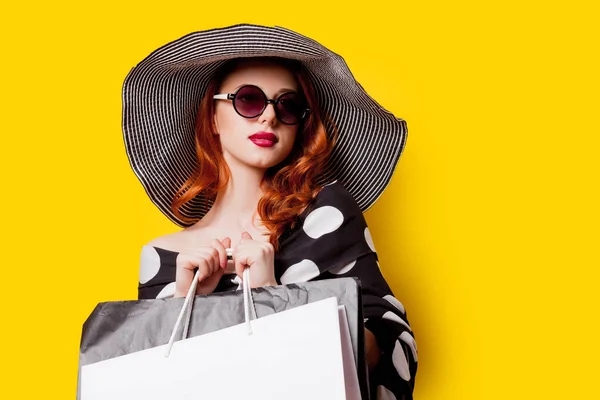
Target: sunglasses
<point x="250" y="101"/>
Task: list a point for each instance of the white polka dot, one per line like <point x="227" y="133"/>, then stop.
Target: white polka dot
<point x="384" y="394"/>
<point x="343" y="269"/>
<point x="390" y="316"/>
<point x="400" y="363"/>
<point x="369" y="239"/>
<point x="300" y="272"/>
<point x="410" y="341"/>
<point x="149" y="264"/>
<point x="395" y="302"/>
<point x="167" y="291"/>
<point x="322" y="221"/>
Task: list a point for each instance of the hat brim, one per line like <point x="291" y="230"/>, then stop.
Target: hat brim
<point x="162" y="93"/>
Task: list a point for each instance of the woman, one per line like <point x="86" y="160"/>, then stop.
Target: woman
<point x="275" y="121"/>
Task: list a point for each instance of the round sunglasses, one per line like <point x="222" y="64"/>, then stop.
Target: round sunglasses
<point x="250" y="101"/>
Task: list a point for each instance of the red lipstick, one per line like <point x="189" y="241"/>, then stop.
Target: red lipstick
<point x="263" y="139"/>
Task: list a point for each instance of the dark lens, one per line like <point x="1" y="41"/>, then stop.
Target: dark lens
<point x="290" y="108"/>
<point x="249" y="101"/>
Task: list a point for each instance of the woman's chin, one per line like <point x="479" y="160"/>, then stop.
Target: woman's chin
<point x="262" y="161"/>
<point x="264" y="164"/>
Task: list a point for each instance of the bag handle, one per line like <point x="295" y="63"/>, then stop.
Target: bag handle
<point x="186" y="309"/>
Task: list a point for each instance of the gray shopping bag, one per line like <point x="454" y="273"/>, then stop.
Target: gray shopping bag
<point x="297" y="345"/>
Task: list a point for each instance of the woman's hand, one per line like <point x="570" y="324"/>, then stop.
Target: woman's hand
<point x="373" y="350"/>
<point x="259" y="257"/>
<point x="210" y="261"/>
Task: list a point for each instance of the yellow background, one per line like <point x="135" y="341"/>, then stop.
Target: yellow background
<point x="488" y="232"/>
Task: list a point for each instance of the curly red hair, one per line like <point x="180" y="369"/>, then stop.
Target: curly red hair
<point x="288" y="187"/>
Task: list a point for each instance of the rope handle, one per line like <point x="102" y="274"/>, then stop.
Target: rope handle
<point x="186" y="309"/>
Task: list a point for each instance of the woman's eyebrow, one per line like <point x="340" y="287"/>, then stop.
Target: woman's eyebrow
<point x="284" y="90"/>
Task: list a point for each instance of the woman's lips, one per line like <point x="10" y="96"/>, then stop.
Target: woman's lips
<point x="263" y="142"/>
<point x="263" y="139"/>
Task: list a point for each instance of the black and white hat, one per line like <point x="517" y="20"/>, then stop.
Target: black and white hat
<point x="161" y="96"/>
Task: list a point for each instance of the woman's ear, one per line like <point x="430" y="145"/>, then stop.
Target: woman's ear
<point x="215" y="125"/>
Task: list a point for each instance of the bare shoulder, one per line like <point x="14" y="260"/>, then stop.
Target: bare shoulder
<point x="173" y="241"/>
<point x="185" y="240"/>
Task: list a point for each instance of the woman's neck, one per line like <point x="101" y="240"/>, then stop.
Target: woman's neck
<point x="237" y="202"/>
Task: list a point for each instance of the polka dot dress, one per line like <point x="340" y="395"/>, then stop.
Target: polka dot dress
<point x="332" y="240"/>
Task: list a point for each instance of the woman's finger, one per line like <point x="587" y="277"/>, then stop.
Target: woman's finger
<point x="210" y="282"/>
<point x="206" y="268"/>
<point x="246" y="236"/>
<point x="221" y="260"/>
<point x="184" y="274"/>
<point x="241" y="263"/>
<point x="226" y="242"/>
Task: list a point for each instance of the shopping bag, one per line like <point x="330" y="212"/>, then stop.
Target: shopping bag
<point x="307" y="342"/>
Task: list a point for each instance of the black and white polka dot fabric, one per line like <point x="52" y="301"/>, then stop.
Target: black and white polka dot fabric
<point x="332" y="240"/>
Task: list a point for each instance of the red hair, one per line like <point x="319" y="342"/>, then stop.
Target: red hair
<point x="288" y="187"/>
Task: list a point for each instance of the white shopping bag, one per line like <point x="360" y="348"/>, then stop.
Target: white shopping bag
<point x="302" y="353"/>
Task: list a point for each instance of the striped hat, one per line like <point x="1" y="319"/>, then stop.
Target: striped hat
<point x="161" y="96"/>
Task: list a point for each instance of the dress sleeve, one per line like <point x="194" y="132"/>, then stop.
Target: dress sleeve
<point x="157" y="273"/>
<point x="334" y="241"/>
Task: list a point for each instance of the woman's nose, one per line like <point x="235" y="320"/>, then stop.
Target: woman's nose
<point x="268" y="115"/>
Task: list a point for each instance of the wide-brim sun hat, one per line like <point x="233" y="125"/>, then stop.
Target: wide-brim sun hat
<point x="162" y="93"/>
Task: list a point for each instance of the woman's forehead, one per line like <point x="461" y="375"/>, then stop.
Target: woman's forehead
<point x="269" y="76"/>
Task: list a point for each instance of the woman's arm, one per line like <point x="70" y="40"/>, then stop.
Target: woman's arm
<point x="373" y="351"/>
<point x="333" y="242"/>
